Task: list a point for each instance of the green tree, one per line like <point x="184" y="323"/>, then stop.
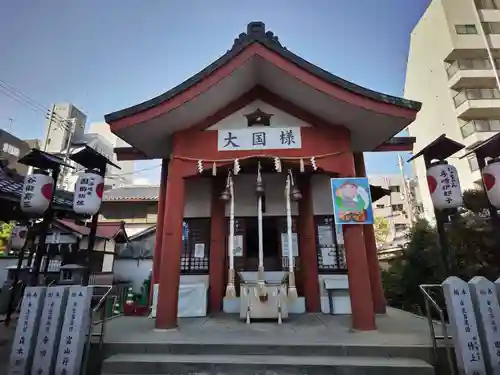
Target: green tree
<point x="5" y="231"/>
<point x="381" y="229"/>
<point x="472" y="249"/>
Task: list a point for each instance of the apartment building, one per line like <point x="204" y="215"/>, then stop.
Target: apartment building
<point x="452" y="69"/>
<point x="59" y="129"/>
<point x="117" y="177"/>
<point x="400" y="208"/>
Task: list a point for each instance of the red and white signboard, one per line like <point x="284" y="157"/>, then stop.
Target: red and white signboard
<point x="491" y="179"/>
<point x="444" y="186"/>
<point x="37" y="193"/>
<point x="88" y="193"/>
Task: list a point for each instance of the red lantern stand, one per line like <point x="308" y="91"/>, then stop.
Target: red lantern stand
<point x="91" y="160"/>
<point x="440" y="149"/>
<point x="489" y="148"/>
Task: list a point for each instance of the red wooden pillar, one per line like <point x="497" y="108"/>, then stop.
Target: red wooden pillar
<point x="159" y="224"/>
<point x="168" y="294"/>
<point x="379" y="302"/>
<point x="360" y="291"/>
<point x="217" y="248"/>
<point x="307" y="247"/>
<point x="363" y="315"/>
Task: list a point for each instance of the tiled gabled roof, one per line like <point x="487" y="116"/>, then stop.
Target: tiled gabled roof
<point x="256" y="33"/>
<point x="132" y="193"/>
<point x="106" y="231"/>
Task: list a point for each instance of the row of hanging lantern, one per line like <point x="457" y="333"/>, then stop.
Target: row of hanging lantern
<point x="444" y="184"/>
<point x="39" y="188"/>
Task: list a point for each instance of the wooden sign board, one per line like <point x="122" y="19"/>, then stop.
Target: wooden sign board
<point x="49" y="332"/>
<point x="465" y="335"/>
<point x="487" y="311"/>
<point x="74" y="331"/>
<point x="23" y="346"/>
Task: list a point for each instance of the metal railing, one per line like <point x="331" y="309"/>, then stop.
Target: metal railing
<point x="93" y="324"/>
<point x="429" y="301"/>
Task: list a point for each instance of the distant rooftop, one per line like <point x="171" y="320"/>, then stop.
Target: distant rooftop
<point x="133" y="193"/>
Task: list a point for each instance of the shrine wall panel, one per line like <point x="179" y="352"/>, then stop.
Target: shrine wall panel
<point x="279" y="119"/>
<point x="246" y="200"/>
<point x="321" y="195"/>
<point x="198" y="197"/>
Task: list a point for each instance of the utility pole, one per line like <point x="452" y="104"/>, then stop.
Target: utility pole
<point x="406" y="195"/>
<point x="67" y="151"/>
<point x="49" y="127"/>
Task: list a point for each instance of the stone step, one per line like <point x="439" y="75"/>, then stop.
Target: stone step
<point x="145" y="364"/>
<point x="327" y="350"/>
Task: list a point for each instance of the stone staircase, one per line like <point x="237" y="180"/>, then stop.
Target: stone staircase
<point x="263" y="359"/>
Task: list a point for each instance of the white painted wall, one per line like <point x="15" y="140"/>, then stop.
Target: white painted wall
<point x="198" y="198"/>
<point x="246" y="200"/>
<point x="237" y="120"/>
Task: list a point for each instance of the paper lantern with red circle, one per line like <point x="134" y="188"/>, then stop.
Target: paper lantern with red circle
<point x="88" y="193"/>
<point x="491" y="180"/>
<point x="37" y="192"/>
<point x="18" y="237"/>
<point x="444" y="186"/>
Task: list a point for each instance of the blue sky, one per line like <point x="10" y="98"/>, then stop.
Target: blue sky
<point x="106" y="55"/>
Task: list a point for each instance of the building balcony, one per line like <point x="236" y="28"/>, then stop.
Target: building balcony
<point x="474" y="104"/>
<point x="478" y="130"/>
<point x="471" y="73"/>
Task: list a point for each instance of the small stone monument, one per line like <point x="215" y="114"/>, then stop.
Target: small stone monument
<point x="23" y="346"/>
<point x="465" y="335"/>
<point x="487" y="312"/>
<point x="74" y="331"/>
<point x="49" y="332"/>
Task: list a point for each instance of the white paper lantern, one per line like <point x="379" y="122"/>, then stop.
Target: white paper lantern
<point x="18" y="237"/>
<point x="444" y="186"/>
<point x="88" y="193"/>
<point x="37" y="193"/>
<point x="491" y="179"/>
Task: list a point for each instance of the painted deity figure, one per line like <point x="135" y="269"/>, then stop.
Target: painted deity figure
<point x="352" y="202"/>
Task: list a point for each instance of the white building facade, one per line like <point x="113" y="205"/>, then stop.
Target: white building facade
<point x="117" y="177"/>
<point x="451" y="69"/>
<point x="401" y="208"/>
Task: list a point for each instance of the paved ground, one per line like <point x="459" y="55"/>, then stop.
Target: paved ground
<point x="395" y="328"/>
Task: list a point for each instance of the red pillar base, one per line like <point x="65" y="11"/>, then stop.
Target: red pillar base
<point x="363" y="315"/>
<point x="379" y="302"/>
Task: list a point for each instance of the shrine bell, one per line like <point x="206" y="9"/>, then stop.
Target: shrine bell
<point x="444" y="185"/>
<point x="37" y="193"/>
<point x="89" y="190"/>
<point x="491" y="179"/>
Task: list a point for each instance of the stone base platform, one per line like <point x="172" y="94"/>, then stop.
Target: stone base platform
<point x="304" y="344"/>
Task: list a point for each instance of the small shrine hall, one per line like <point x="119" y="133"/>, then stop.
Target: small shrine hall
<point x="248" y="148"/>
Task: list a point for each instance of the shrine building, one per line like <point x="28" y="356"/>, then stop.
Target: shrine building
<point x="261" y="120"/>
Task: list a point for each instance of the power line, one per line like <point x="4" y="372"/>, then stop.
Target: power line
<point x="24" y="99"/>
<point x="134" y="172"/>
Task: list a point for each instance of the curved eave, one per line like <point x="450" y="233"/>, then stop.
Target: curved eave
<point x="272" y="45"/>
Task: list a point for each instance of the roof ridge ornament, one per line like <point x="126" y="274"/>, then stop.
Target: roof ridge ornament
<point x="256" y="31"/>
